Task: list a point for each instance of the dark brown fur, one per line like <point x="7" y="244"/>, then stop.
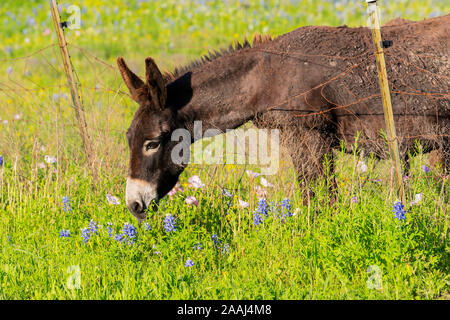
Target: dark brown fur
<point x="318" y="85"/>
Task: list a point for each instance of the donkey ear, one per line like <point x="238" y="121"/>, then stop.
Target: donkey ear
<point x="155" y="83"/>
<point x="132" y="81"/>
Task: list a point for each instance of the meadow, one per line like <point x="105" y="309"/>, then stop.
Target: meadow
<point x="66" y="235"/>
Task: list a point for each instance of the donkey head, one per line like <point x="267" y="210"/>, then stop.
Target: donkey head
<point x="152" y="174"/>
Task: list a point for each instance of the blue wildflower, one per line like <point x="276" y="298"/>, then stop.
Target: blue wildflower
<point x="262" y="207"/>
<point x="399" y="213"/>
<point x="66" y="204"/>
<point x="257" y="219"/>
<point x="120" y="237"/>
<point x="226" y="249"/>
<point x="189" y="263"/>
<point x="1" y="160"/>
<point x="147" y="226"/>
<point x="85" y="234"/>
<point x="129" y="230"/>
<point x="93" y="227"/>
<point x="198" y="246"/>
<point x="261" y="212"/>
<point x="216" y="240"/>
<point x="169" y="223"/>
<point x="110" y="229"/>
<point x="274" y="209"/>
<point x="355" y="199"/>
<point x="425" y="169"/>
<point x="64" y="233"/>
<point x="286" y="208"/>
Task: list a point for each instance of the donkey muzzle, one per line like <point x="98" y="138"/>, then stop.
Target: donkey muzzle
<point x="140" y="195"/>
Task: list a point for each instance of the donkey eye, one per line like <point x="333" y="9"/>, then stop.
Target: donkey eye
<point x="151" y="145"/>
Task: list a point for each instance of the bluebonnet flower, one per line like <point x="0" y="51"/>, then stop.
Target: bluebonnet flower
<point x="262" y="207"/>
<point x="120" y="237"/>
<point x="30" y="21"/>
<point x="1" y="160"/>
<point x="286" y="208"/>
<point x="189" y="263"/>
<point x="274" y="209"/>
<point x="66" y="204"/>
<point x="85" y="234"/>
<point x="157" y="251"/>
<point x="260" y="212"/>
<point x="226" y="249"/>
<point x="147" y="226"/>
<point x="198" y="246"/>
<point x="169" y="223"/>
<point x="216" y="240"/>
<point x="128" y="234"/>
<point x="257" y="219"/>
<point x="425" y="169"/>
<point x="64" y="233"/>
<point x="399" y="213"/>
<point x="355" y="199"/>
<point x="93" y="227"/>
<point x="110" y="229"/>
<point x="130" y="231"/>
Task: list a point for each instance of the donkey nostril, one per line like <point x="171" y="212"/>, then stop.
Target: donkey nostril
<point x="137" y="207"/>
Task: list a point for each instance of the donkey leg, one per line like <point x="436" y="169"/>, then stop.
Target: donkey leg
<point x="307" y="149"/>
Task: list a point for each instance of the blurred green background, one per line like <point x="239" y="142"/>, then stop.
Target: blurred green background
<point x="176" y="30"/>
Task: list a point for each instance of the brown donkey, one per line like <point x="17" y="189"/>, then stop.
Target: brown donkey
<point x="317" y="85"/>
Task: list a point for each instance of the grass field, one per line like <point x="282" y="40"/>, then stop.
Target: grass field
<point x="63" y="239"/>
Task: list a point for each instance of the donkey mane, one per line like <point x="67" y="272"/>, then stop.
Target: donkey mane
<point x="258" y="39"/>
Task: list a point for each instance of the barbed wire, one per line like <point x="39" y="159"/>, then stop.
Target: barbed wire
<point x="15" y="87"/>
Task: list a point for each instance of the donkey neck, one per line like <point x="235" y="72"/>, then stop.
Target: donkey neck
<point x="222" y="94"/>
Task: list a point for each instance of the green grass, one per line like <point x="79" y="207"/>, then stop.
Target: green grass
<point x="324" y="251"/>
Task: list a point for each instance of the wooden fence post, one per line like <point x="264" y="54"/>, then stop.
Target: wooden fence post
<point x="386" y="97"/>
<point x="82" y="126"/>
